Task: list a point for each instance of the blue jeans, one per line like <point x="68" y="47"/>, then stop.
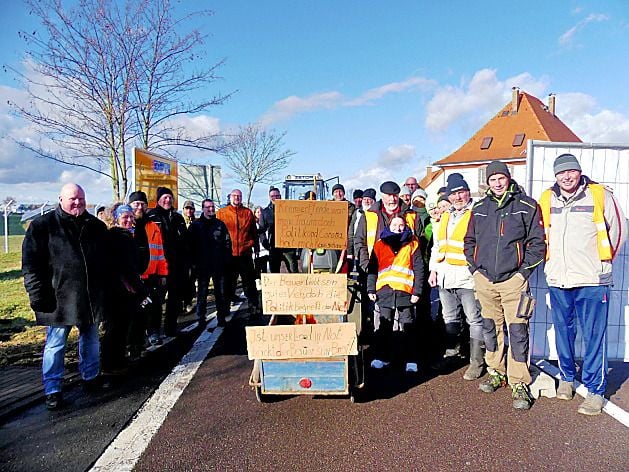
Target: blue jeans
<point x="54" y="353"/>
<point x="590" y="305"/>
<point x="452" y="300"/>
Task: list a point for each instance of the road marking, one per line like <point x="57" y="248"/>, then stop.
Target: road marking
<point x="610" y="408"/>
<point x="125" y="450"/>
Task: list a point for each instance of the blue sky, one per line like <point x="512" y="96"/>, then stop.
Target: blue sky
<point x="372" y="91"/>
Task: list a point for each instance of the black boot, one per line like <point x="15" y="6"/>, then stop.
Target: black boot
<point x="452" y="353"/>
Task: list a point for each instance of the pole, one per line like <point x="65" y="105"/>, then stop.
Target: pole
<point x="41" y="210"/>
<point x="6" y="227"/>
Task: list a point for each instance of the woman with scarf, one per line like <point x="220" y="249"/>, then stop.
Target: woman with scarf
<point x="395" y="280"/>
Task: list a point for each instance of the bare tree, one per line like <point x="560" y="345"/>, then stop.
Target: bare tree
<point x="256" y="156"/>
<point x="197" y="182"/>
<point x="102" y="78"/>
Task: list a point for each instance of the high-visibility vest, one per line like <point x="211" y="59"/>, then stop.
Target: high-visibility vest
<point x="157" y="258"/>
<point x="451" y="245"/>
<point x="598" y="218"/>
<point x="396" y="270"/>
<point x="371" y="222"/>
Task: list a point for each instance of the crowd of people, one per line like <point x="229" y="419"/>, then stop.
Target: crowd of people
<point x="477" y="255"/>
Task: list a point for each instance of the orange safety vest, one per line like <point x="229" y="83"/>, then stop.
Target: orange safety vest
<point x="396" y="270"/>
<point x="451" y="246"/>
<point x="371" y="221"/>
<point x="598" y="218"/>
<point x="157" y="259"/>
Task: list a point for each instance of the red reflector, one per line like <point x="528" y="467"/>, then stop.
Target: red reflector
<point x="305" y="383"/>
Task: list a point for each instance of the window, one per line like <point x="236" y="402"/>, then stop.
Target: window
<point x="486" y="142"/>
<point x="518" y="139"/>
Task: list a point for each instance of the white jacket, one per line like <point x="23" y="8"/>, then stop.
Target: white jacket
<point x="573" y="250"/>
<point x="449" y="275"/>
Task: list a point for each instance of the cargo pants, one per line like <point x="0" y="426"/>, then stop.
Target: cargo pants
<point x="499" y="303"/>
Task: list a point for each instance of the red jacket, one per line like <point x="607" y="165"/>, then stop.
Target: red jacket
<point x="241" y="225"/>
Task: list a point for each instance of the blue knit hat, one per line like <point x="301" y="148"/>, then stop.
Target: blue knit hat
<point x="118" y="212"/>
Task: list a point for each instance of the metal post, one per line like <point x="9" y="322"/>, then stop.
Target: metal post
<point x="6" y="227"/>
<point x="41" y="210"/>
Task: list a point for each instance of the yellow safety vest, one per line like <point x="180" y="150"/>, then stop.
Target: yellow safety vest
<point x="371" y="221"/>
<point x="451" y="246"/>
<point x="396" y="270"/>
<point x="598" y="218"/>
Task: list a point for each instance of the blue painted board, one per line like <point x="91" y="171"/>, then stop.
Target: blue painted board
<point x="305" y="376"/>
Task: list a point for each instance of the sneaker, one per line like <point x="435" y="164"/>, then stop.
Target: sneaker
<point x="592" y="405"/>
<point x="155" y="340"/>
<point x="92" y="385"/>
<point x="565" y="391"/>
<point x="522" y="399"/>
<point x="53" y="401"/>
<point x="493" y="382"/>
<point x="378" y="364"/>
<point x="411" y="367"/>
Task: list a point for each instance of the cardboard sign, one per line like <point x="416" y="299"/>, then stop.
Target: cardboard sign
<point x="304" y="294"/>
<point x="311" y="224"/>
<point x="301" y="341"/>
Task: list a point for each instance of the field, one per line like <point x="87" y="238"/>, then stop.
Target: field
<point x="21" y="341"/>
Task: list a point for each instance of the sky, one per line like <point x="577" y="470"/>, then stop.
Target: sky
<point x="368" y="90"/>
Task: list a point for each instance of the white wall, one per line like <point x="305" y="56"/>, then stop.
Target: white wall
<point x="607" y="164"/>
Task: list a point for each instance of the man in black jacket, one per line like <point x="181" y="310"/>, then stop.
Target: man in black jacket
<point x="503" y="246"/>
<point x="212" y="247"/>
<point x="175" y="238"/>
<point x="64" y="256"/>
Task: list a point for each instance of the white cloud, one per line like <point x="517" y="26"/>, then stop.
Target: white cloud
<point x="289" y="107"/>
<point x="567" y="39"/>
<point x="479" y="98"/>
<point x="584" y="116"/>
<point x="394" y="163"/>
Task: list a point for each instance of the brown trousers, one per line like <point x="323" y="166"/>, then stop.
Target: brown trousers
<point x="499" y="302"/>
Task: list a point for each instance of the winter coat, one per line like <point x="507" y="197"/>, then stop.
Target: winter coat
<point x="361" y="249"/>
<point x="505" y="235"/>
<point x="65" y="267"/>
<point x="125" y="265"/>
<point x="387" y="243"/>
<point x="211" y="245"/>
<point x="242" y="228"/>
<point x="175" y="237"/>
<point x="574" y="260"/>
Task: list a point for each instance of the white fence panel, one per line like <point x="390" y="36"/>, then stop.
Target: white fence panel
<point x="607" y="164"/>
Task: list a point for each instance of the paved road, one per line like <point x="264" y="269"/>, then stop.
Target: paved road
<point x="401" y="423"/>
<point x="441" y="423"/>
<point x="72" y="438"/>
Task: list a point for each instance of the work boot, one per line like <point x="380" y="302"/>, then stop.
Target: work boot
<point x="592" y="405"/>
<point x="493" y="382"/>
<point x="477" y="360"/>
<point x="565" y="391"/>
<point x="522" y="399"/>
<point x="53" y="401"/>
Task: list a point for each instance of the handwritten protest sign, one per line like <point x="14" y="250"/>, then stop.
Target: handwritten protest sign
<point x="305" y="294"/>
<point x="301" y="341"/>
<point x="311" y="224"/>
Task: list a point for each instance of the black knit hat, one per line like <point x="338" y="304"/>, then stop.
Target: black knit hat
<point x="454" y="185"/>
<point x="337" y="187"/>
<point x="370" y="193"/>
<point x="163" y="191"/>
<point x="358" y="193"/>
<point x="138" y="196"/>
<point x="497" y="167"/>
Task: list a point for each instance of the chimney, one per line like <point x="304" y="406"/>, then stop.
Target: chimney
<point x="551" y="103"/>
<point x="514" y="100"/>
<point x="428" y="172"/>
